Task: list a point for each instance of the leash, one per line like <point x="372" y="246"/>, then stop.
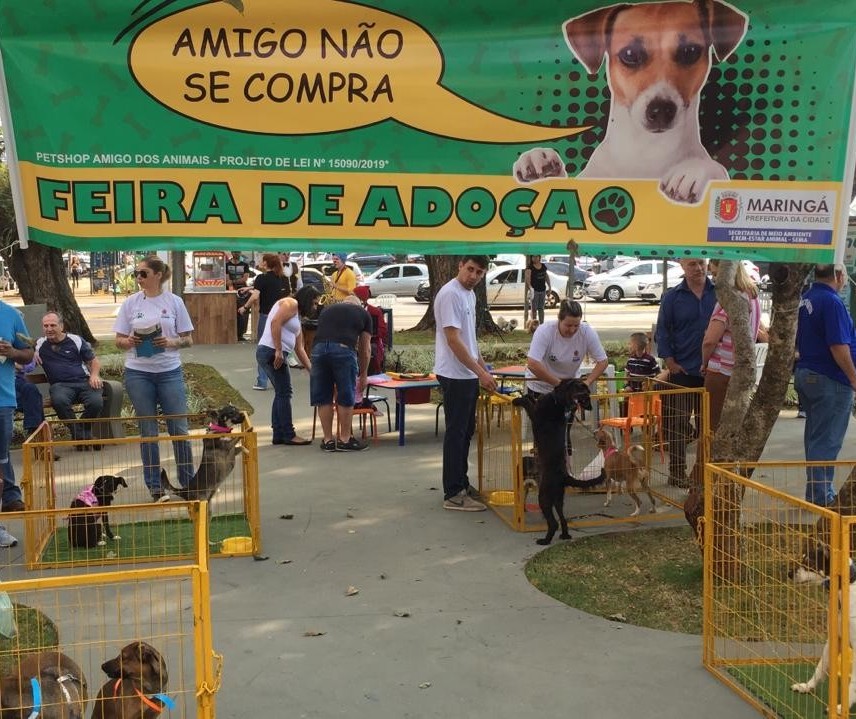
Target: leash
<point x="61" y="681"/>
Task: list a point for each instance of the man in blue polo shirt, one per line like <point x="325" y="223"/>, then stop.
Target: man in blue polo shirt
<point x="684" y="315"/>
<point x="825" y="377"/>
<point x="72" y="369"/>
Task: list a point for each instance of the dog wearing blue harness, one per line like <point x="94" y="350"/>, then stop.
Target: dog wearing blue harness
<point x="46" y="685"/>
<point x="137" y="685"/>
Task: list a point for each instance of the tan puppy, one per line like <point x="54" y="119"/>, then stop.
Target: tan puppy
<point x="624" y="469"/>
<point x="658" y="56"/>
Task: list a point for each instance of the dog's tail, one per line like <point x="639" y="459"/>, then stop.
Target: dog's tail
<point x="165" y="481"/>
<point x="636" y="454"/>
<point x="572" y="481"/>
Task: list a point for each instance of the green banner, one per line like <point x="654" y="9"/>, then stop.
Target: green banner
<point x="663" y="128"/>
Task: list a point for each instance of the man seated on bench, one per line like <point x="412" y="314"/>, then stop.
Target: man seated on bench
<point x="72" y="369"/>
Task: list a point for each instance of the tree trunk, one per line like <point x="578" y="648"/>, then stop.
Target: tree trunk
<point x="39" y="271"/>
<point x="747" y="420"/>
<point x="441" y="269"/>
<point x="40" y="274"/>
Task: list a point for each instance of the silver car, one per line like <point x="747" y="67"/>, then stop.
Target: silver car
<point x="506" y="287"/>
<point x="401" y="280"/>
<point x="624" y="281"/>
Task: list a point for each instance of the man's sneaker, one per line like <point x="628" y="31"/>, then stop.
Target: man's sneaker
<point x="352" y="445"/>
<point x="6" y="539"/>
<point x="463" y="503"/>
<point x="259" y="388"/>
<point x="801" y="414"/>
<point x="14" y="505"/>
<point x="160" y="497"/>
<point x="329" y="446"/>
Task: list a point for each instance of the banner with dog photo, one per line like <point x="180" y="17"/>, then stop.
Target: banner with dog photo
<point x="406" y="126"/>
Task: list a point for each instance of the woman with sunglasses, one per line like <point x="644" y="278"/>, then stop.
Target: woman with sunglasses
<point x="152" y="326"/>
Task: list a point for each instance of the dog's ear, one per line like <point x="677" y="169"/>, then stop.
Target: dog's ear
<point x="120" y="482"/>
<point x="152" y="657"/>
<point x="727" y="26"/>
<point x="587" y="35"/>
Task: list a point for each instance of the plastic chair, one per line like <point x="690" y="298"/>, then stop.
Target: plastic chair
<point x="640" y="416"/>
<point x="386" y="301"/>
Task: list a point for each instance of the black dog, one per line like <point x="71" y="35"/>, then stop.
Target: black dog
<point x="83" y="527"/>
<point x="218" y="456"/>
<point x="550" y="415"/>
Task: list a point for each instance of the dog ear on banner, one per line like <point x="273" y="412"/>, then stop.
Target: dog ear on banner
<point x="587" y="34"/>
<point x="727" y="27"/>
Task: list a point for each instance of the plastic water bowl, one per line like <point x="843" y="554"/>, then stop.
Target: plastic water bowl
<point x="237" y="545"/>
<point x="502" y="498"/>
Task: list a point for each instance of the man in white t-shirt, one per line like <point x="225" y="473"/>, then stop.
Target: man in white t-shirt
<point x="460" y="369"/>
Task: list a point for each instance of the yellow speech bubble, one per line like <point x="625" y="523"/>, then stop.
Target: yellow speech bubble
<point x="297" y="68"/>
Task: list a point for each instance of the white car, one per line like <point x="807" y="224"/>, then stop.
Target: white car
<point x="401" y="280"/>
<point x="620" y="282"/>
<point x="653" y="291"/>
<point x="506" y="287"/>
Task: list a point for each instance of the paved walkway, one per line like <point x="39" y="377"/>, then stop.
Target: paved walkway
<point x="478" y="641"/>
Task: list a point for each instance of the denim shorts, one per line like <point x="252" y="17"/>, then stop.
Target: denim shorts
<point x="333" y="365"/>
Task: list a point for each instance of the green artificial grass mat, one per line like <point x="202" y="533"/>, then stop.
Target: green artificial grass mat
<point x="167" y="539"/>
<point x="36" y="632"/>
<point x="771" y="684"/>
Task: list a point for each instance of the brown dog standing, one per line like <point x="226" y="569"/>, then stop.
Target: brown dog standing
<point x="625" y="467"/>
<point x="138" y="680"/>
<point x="49" y="684"/>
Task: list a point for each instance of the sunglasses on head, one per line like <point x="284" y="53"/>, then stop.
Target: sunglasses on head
<point x="141" y="273"/>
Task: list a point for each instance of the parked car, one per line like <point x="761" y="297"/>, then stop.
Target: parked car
<point x="401" y="280"/>
<point x="620" y="282"/>
<point x="328" y="268"/>
<point x="652" y="292"/>
<point x="370" y="262"/>
<point x="506" y="287"/>
<point x="308" y="275"/>
<point x="561" y="270"/>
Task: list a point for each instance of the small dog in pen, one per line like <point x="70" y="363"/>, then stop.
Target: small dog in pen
<point x="550" y="415"/>
<point x="47" y="684"/>
<point x="813" y="567"/>
<point x="623" y="469"/>
<point x="83" y="529"/>
<point x="218" y="456"/>
<point x="137" y="685"/>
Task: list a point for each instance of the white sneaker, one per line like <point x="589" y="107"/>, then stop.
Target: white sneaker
<point x="462" y="502"/>
<point x="6" y="539"/>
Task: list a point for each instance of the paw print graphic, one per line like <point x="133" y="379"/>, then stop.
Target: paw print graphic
<point x="611" y="210"/>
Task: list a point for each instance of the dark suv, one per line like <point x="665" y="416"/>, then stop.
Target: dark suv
<point x="369" y="263"/>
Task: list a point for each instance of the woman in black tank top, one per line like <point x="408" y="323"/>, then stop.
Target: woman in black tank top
<point x="539" y="282"/>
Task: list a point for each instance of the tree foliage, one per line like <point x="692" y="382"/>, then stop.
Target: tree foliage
<point x="39" y="271"/>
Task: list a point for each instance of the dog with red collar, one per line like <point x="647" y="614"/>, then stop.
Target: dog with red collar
<point x="218" y="456"/>
<point x="624" y="469"/>
<point x="137" y="685"/>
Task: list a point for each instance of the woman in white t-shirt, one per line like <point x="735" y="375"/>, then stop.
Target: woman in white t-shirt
<point x="558" y="349"/>
<point x="717" y="348"/>
<point x="152" y="325"/>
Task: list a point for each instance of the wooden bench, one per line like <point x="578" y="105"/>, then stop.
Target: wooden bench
<point x="113" y="394"/>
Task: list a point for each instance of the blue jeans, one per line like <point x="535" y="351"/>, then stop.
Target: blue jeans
<point x="827" y="406"/>
<point x="459" y="409"/>
<point x="281" y="421"/>
<point x="65" y="394"/>
<point x="261" y="377"/>
<point x="11" y="491"/>
<point x="539" y="299"/>
<point x="148" y="391"/>
<point x="30" y="402"/>
<point x="334" y="365"/>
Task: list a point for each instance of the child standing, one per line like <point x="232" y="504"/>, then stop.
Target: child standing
<point x="641" y="363"/>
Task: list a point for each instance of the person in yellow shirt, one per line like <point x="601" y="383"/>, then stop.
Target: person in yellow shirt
<point x="343" y="280"/>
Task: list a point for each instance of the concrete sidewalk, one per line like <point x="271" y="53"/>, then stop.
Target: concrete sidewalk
<point x="478" y="641"/>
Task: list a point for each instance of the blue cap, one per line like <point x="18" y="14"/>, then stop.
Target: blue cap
<point x="341" y="255"/>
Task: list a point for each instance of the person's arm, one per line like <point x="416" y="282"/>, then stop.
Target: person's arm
<point x="16" y="354"/>
<point x="251" y="302"/>
<point x="283" y="314"/>
<point x="542" y="372"/>
<point x="712" y="336"/>
<point x="364" y="354"/>
<point x="598" y="369"/>
<point x="474" y="364"/>
<point x="841" y="355"/>
<point x="94" y="366"/>
<point x="301" y="353"/>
